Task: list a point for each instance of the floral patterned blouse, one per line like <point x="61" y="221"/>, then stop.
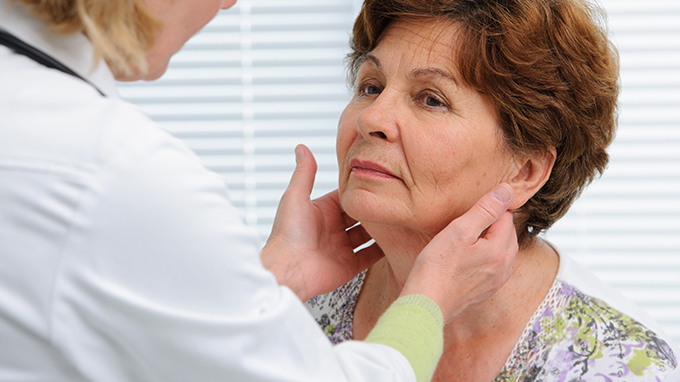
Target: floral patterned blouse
<point x="571" y="337"/>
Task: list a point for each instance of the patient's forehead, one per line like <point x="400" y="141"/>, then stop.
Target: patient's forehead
<point x="426" y="39"/>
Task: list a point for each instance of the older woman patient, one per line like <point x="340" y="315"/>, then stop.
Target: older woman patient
<point x="453" y="97"/>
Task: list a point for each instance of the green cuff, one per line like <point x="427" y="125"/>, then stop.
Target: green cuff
<point x="414" y="325"/>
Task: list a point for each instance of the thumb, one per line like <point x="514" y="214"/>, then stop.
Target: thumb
<point x="302" y="180"/>
<point x="487" y="210"/>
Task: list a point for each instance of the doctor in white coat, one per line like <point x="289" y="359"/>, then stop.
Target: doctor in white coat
<point x="122" y="259"/>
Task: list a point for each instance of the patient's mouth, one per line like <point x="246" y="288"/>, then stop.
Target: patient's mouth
<point x="369" y="169"/>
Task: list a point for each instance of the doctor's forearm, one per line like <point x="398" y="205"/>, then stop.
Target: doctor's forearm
<point x="413" y="325"/>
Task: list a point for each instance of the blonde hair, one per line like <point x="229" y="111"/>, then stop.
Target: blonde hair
<point x="121" y="31"/>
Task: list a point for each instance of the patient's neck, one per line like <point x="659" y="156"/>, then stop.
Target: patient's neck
<point x="387" y="277"/>
<point x="534" y="271"/>
<point x="401" y="248"/>
<point x="477" y="342"/>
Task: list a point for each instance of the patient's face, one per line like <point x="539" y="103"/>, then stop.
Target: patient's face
<point x="416" y="146"/>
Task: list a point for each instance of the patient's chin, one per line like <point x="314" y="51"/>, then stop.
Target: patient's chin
<point x="365" y="206"/>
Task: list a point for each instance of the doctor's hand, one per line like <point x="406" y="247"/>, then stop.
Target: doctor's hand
<point x="471" y="259"/>
<point x="310" y="249"/>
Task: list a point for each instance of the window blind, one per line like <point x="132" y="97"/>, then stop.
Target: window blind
<point x="266" y="75"/>
<point x="626" y="226"/>
<point x="262" y="77"/>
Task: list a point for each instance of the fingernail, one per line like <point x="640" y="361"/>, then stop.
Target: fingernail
<point x="299" y="153"/>
<point x="503" y="194"/>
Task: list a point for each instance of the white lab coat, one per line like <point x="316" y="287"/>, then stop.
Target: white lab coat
<point x="121" y="257"/>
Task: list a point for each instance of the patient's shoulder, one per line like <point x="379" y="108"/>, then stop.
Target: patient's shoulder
<point x="576" y="337"/>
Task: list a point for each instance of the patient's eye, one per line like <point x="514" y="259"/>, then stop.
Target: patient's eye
<point x="369" y="88"/>
<point x="433" y="102"/>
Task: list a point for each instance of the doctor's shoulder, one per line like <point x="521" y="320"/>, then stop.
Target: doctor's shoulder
<point x="61" y="118"/>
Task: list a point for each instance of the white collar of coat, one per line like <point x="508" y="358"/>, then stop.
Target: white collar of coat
<point x="74" y="51"/>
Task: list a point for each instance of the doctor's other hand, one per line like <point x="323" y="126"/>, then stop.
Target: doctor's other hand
<point x="471" y="259"/>
<point x="311" y="246"/>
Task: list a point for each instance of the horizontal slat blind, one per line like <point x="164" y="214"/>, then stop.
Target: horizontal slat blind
<point x="626" y="226"/>
<point x="259" y="79"/>
<point x="267" y="75"/>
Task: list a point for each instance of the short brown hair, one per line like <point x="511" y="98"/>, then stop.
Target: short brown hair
<point x="549" y="70"/>
<point x="121" y="31"/>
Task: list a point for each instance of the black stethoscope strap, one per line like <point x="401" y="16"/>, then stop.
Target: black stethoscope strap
<point x="20" y="47"/>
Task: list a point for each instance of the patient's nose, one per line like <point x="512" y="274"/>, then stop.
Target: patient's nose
<point x="379" y="120"/>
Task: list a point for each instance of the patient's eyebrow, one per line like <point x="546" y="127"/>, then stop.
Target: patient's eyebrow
<point x="434" y="72"/>
<point x="418" y="72"/>
<point x="373" y="59"/>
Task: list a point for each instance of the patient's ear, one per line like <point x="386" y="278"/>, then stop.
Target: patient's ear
<point x="533" y="171"/>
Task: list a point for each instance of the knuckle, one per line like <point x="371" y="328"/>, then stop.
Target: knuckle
<point x="467" y="234"/>
<point x="489" y="209"/>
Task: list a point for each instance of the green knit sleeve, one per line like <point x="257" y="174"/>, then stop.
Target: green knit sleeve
<point x="414" y="325"/>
